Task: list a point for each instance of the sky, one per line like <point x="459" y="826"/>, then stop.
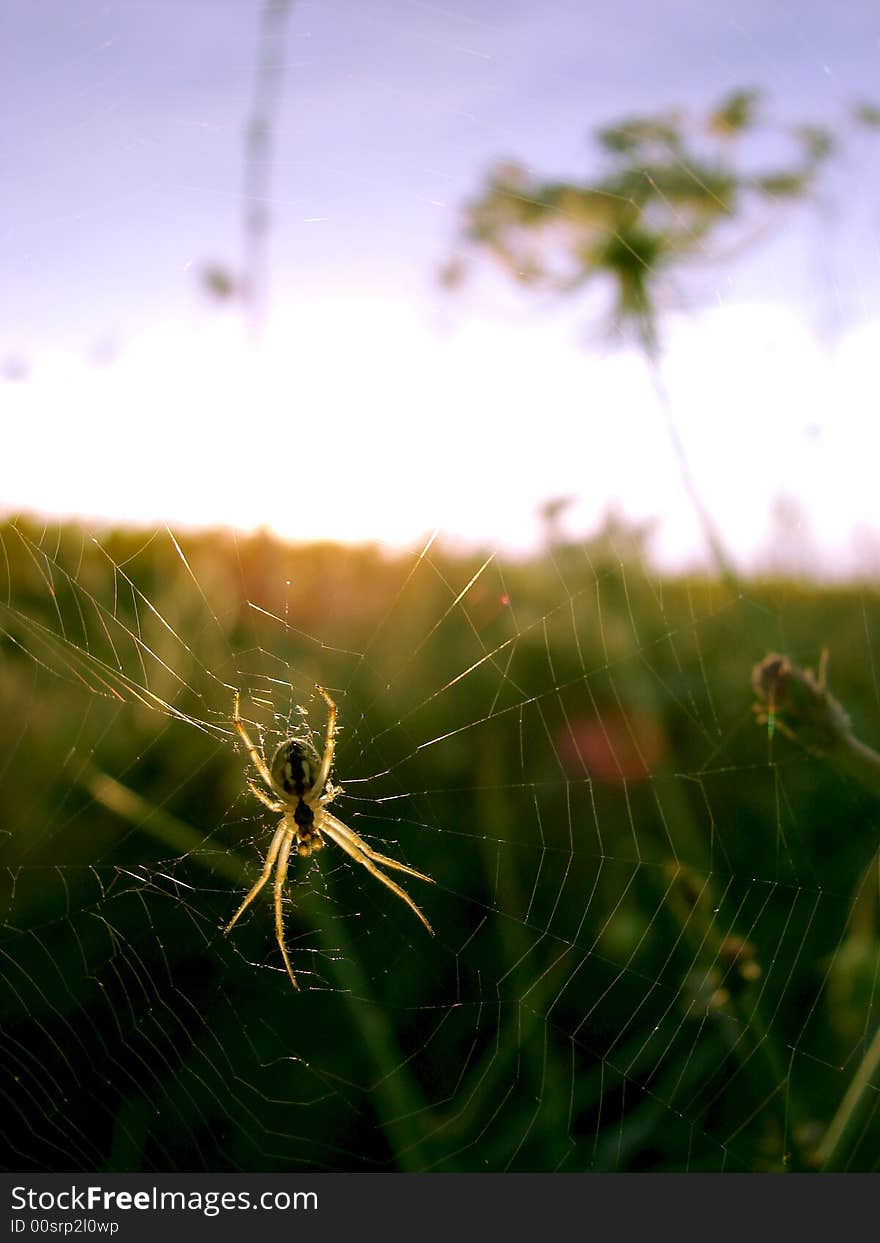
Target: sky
<point x="375" y="406"/>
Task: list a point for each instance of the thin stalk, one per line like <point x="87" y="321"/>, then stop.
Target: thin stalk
<point x="268" y="76"/>
<point x="723" y="561"/>
<point x="797" y="702"/>
<point x="159" y="824"/>
<point x="832" y="1152"/>
<point x="856" y="759"/>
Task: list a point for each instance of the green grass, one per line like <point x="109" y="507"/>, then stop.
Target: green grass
<point x="657" y="925"/>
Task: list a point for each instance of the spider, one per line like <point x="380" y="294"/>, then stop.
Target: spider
<point x="299" y="787"/>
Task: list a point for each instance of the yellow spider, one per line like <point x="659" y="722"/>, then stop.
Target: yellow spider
<point x="299" y="787"/>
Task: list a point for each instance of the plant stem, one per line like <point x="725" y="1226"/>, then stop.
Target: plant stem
<point x="158" y="823"/>
<point x="798" y="702"/>
<point x="259" y="134"/>
<point x="856" y="759"/>
<point x="832" y="1152"/>
<point x="723" y="561"/>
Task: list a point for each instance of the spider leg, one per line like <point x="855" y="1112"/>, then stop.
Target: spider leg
<point x="329" y="741"/>
<point x="267" y="871"/>
<point x="256" y="759"/>
<point x="271" y="803"/>
<point x="280" y="878"/>
<point x="358" y="841"/>
<point x="342" y="840"/>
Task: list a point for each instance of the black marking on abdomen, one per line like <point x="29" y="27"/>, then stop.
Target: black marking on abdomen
<point x="303" y="817"/>
<point x="294" y="768"/>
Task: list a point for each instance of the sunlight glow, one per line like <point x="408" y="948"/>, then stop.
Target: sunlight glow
<point x="357" y="422"/>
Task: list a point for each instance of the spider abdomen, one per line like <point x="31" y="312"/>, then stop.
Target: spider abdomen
<point x="294" y="767"/>
<point x="308" y="839"/>
<point x="303" y="818"/>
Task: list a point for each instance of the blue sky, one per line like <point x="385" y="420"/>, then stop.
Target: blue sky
<point x="122" y="131"/>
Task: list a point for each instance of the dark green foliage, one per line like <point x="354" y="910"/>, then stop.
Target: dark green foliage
<point x="669" y="187"/>
<point x="656" y="926"/>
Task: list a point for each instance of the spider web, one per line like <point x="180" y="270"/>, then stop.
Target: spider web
<point x="640" y="937"/>
<point x="656" y="923"/>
